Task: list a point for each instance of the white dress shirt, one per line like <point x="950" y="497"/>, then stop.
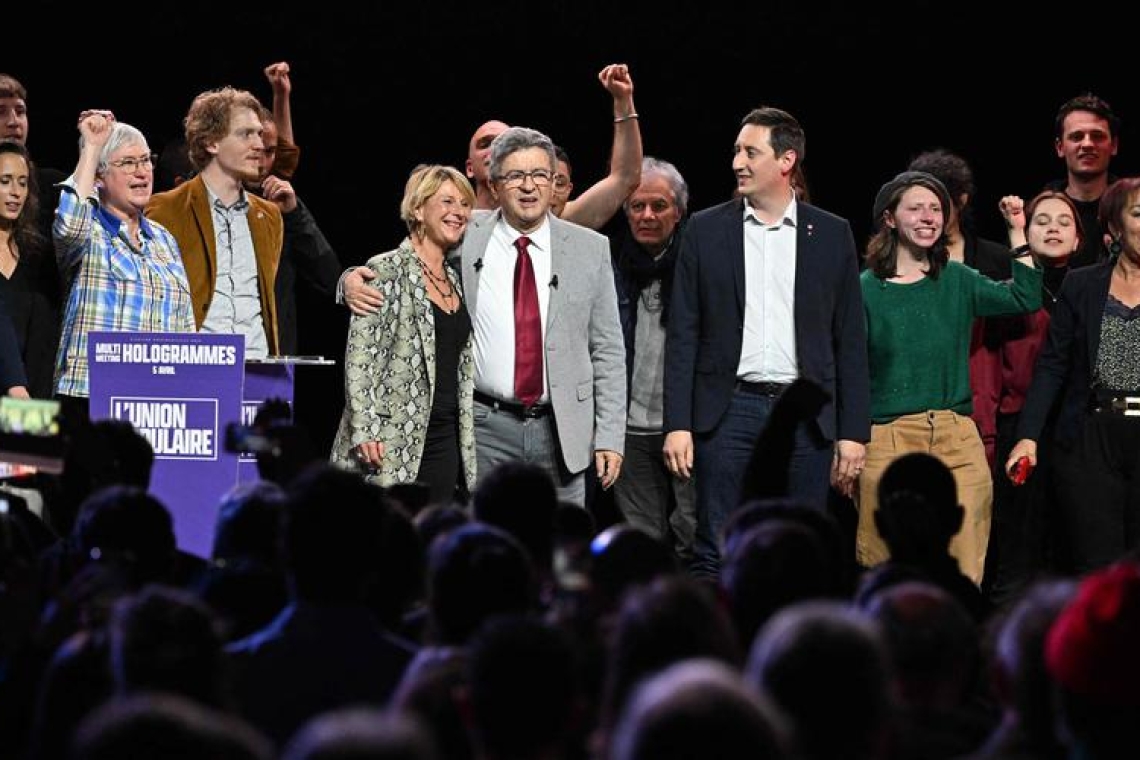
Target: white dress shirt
<point x="494" y="319"/>
<point x="768" y="350"/>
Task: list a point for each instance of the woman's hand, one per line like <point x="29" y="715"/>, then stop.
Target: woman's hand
<point x="370" y="453"/>
<point x="1013" y="211"/>
<point x="1026" y="447"/>
<point x="96" y="126"/>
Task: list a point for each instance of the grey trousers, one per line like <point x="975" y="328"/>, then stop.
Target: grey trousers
<point x="651" y="499"/>
<point x="501" y="436"/>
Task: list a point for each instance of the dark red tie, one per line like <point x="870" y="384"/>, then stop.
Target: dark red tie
<point x="528" y="329"/>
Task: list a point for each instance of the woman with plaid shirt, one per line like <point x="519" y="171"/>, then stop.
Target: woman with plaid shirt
<point x="123" y="272"/>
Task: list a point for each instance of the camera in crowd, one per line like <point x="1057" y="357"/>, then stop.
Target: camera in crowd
<point x="263" y="436"/>
<point x="282" y="448"/>
<point x="30" y="436"/>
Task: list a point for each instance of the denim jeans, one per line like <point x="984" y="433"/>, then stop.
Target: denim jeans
<point x="721" y="458"/>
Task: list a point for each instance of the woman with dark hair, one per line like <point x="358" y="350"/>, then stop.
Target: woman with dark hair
<point x="920" y="308"/>
<point x="29" y="329"/>
<point x="1091" y="364"/>
<point x="1001" y="369"/>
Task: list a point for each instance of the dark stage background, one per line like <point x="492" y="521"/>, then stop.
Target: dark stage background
<point x="379" y="89"/>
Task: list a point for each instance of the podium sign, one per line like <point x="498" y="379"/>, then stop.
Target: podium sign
<point x="179" y="390"/>
<point x="266" y="379"/>
<point x="263" y="381"/>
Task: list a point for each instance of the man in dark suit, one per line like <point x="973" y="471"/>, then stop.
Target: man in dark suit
<point x="766" y="290"/>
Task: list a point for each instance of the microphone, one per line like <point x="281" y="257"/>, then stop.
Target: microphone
<point x="554" y="282"/>
<point x="478" y="265"/>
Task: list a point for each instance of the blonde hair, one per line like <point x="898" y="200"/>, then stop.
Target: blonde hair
<point x="424" y="182"/>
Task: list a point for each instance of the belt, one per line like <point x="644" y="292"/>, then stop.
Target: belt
<point x="1122" y="405"/>
<point x="532" y="412"/>
<point x="761" y="389"/>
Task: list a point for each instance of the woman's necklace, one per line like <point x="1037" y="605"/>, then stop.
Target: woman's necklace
<point x="439" y="282"/>
<point x="1052" y="271"/>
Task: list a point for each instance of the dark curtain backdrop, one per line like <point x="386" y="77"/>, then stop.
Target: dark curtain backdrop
<point x="380" y="88"/>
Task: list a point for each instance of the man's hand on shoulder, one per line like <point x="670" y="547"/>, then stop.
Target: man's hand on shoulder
<point x="360" y="298"/>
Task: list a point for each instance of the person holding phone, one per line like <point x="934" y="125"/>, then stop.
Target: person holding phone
<point x="920" y="307"/>
<point x="1090" y="363"/>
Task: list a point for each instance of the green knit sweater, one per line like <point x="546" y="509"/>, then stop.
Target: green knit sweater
<point x="918" y="335"/>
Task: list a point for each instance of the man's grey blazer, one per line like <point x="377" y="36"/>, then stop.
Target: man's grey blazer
<point x="585" y="353"/>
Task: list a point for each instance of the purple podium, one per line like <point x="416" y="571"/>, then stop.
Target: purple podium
<point x="265" y="379"/>
<point x="180" y="391"/>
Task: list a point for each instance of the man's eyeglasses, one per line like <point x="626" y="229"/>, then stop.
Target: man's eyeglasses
<point x="132" y="165"/>
<point x="561" y="181"/>
<point x="540" y="177"/>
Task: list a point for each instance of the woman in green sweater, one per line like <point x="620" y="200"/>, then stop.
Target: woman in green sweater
<point x="920" y="307"/>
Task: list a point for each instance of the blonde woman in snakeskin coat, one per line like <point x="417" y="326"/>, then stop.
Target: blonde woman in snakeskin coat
<point x="409" y="368"/>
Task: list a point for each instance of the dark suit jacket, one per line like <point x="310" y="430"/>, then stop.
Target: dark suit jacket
<point x="185" y="212"/>
<point x="306" y="252"/>
<point x="1067" y="359"/>
<point x="706" y="324"/>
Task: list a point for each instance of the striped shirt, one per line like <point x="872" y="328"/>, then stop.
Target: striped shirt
<point x="112" y="284"/>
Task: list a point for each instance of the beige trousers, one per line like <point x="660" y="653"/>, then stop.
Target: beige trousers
<point x="952" y="438"/>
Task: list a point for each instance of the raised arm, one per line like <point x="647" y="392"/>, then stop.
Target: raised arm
<point x="74" y="215"/>
<point x="95" y="128"/>
<point x="600" y="202"/>
<point x="286" y="155"/>
<point x="278" y="76"/>
<point x="1013" y="211"/>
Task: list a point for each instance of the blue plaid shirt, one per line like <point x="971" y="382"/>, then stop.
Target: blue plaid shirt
<point x="112" y="285"/>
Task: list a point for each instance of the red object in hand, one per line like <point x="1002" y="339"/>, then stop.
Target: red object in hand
<point x="1019" y="473"/>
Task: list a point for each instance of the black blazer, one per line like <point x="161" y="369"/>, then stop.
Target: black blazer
<point x="706" y="322"/>
<point x="305" y="251"/>
<point x="1068" y="357"/>
<point x="11" y="366"/>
